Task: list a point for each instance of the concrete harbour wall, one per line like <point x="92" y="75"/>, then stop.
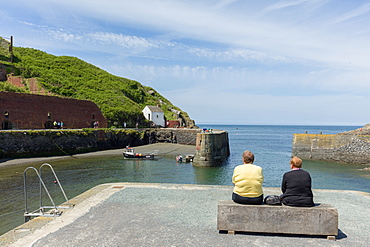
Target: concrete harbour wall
<point x="341" y="148"/>
<point x="175" y="135"/>
<point x="212" y="148"/>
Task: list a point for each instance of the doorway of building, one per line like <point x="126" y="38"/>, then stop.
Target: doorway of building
<point x="6" y="125"/>
<point x="49" y="125"/>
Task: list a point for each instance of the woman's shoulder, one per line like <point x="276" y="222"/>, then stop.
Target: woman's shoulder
<point x="239" y="166"/>
<point x="259" y="167"/>
<point x="296" y="172"/>
<point x="248" y="166"/>
<point x="302" y="171"/>
<point x="256" y="167"/>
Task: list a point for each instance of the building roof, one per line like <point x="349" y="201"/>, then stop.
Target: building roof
<point x="154" y="108"/>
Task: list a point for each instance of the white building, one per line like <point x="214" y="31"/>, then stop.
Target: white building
<point x="154" y="114"/>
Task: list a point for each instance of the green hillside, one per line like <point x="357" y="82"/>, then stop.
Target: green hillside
<point x="120" y="99"/>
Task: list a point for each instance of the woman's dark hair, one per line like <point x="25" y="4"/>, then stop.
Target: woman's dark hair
<point x="248" y="157"/>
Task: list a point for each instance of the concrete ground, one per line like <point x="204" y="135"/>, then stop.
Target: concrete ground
<point x="136" y="214"/>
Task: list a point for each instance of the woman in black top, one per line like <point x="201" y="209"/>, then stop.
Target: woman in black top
<point x="296" y="186"/>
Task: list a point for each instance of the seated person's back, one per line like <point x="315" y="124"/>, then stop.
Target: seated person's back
<point x="296" y="186"/>
<point x="248" y="179"/>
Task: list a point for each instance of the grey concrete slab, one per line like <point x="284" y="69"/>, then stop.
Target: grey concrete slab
<point x="319" y="220"/>
<point x="133" y="214"/>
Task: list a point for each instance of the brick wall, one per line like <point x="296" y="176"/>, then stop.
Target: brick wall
<point x="15" y="80"/>
<point x="30" y="111"/>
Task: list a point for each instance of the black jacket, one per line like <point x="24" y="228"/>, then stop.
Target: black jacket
<point x="296" y="187"/>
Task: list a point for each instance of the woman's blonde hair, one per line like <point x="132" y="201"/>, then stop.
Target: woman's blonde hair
<point x="296" y="162"/>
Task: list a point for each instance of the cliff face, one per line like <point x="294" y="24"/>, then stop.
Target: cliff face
<point x="351" y="147"/>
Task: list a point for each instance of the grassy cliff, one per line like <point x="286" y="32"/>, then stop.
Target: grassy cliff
<point x="120" y="99"/>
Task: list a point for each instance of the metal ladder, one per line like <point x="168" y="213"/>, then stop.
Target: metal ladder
<point x="41" y="211"/>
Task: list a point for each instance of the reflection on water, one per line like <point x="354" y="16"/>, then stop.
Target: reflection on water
<point x="212" y="175"/>
<point x="338" y="176"/>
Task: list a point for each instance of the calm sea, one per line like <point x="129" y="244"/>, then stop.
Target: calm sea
<point x="271" y="145"/>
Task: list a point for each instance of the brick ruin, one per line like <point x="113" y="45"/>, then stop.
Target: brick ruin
<point x="31" y="111"/>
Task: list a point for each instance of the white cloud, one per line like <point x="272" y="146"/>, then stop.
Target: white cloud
<point x="236" y="28"/>
<point x="64" y="36"/>
<point x="284" y="4"/>
<point x="237" y="54"/>
<point x="123" y="40"/>
<point x="274" y="57"/>
<point x="234" y="79"/>
<point x="223" y="3"/>
<point x="195" y="20"/>
<point x="361" y="10"/>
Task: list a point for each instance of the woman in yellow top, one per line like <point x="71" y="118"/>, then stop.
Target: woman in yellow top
<point x="248" y="179"/>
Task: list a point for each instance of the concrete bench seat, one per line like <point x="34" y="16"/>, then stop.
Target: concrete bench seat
<point x="318" y="220"/>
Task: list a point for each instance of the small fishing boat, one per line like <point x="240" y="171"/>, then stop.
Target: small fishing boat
<point x="129" y="153"/>
<point x="179" y="158"/>
<point x="188" y="158"/>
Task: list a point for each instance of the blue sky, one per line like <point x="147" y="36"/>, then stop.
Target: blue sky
<point x="222" y="61"/>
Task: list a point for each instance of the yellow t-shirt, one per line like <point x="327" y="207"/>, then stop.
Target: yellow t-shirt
<point x="248" y="179"/>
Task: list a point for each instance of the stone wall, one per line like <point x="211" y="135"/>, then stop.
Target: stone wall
<point x="212" y="148"/>
<point x="28" y="143"/>
<point x="174" y="135"/>
<point x="341" y="148"/>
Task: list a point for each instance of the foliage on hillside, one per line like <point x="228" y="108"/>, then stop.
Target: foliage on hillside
<point x="7" y="87"/>
<point x="120" y="99"/>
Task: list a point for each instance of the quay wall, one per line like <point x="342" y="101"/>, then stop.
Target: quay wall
<point x="340" y="148"/>
<point x="212" y="148"/>
<point x="175" y="135"/>
<point x="32" y="143"/>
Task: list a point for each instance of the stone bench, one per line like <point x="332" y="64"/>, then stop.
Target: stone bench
<point x="318" y="220"/>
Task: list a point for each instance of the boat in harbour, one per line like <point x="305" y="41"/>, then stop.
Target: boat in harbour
<point x="188" y="158"/>
<point x="129" y="153"/>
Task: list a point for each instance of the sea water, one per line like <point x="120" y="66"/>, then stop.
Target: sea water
<point x="272" y="146"/>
